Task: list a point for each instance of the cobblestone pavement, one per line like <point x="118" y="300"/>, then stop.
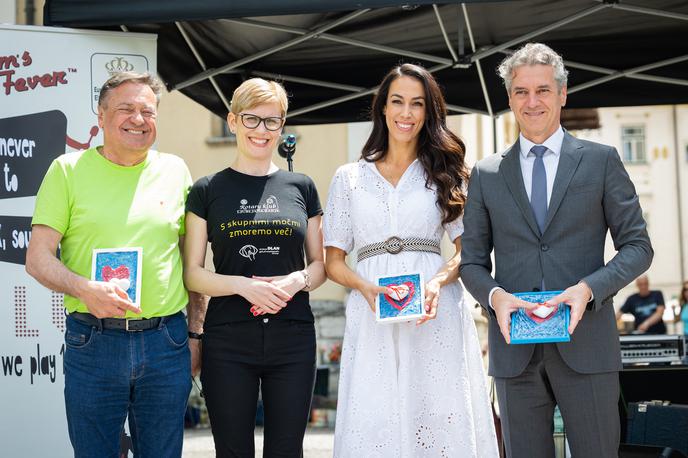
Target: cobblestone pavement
<point x="198" y="443"/>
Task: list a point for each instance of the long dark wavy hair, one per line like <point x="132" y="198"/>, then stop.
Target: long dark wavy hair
<point x="440" y="151"/>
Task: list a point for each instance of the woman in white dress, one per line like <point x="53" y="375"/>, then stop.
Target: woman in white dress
<point x="406" y="390"/>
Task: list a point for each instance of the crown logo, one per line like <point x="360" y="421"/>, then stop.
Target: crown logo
<point x="117" y="65"/>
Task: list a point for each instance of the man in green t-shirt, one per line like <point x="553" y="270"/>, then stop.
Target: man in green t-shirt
<point x="117" y="213"/>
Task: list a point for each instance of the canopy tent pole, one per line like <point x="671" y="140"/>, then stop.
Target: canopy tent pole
<point x="478" y="67"/>
<point x="658" y="79"/>
<point x="679" y="204"/>
<point x="459" y="26"/>
<point x="200" y="61"/>
<point x="650" y="11"/>
<point x="346" y="98"/>
<point x="444" y="33"/>
<point x="345" y="40"/>
<point x="296" y="79"/>
<point x="208" y="73"/>
<point x="624" y="73"/>
<point x="540" y="31"/>
<point x="329" y="103"/>
<point x="308" y="81"/>
<point x="610" y="71"/>
<point x="630" y="73"/>
<point x="465" y="110"/>
<point x="637" y="76"/>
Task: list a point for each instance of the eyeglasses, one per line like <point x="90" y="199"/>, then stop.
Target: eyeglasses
<point x="251" y="121"/>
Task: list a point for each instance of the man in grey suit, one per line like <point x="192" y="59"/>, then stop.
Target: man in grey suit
<point x="544" y="207"/>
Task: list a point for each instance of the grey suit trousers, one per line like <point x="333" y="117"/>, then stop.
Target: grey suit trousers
<point x="588" y="401"/>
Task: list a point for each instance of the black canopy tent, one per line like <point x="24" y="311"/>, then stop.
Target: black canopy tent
<point x="331" y="54"/>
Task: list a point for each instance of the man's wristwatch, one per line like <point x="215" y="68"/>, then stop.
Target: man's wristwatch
<point x="306" y="279"/>
<point x="195" y="335"/>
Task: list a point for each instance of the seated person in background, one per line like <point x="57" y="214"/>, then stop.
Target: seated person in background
<point x="681" y="312"/>
<point x="647" y="307"/>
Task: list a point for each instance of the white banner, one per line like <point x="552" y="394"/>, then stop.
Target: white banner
<point x="49" y="84"/>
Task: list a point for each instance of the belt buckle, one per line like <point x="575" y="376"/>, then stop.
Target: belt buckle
<point x="394" y="245"/>
<point x="126" y="325"/>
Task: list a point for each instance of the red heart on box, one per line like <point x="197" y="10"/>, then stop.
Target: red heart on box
<point x="538" y="319"/>
<point x="109" y="273"/>
<point x="401" y="305"/>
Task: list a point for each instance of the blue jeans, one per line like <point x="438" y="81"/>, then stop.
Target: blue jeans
<point x="112" y="373"/>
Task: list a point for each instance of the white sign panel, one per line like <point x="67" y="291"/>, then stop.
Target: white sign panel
<point x="49" y="84"/>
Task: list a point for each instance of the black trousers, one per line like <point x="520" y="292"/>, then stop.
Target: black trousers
<point x="273" y="355"/>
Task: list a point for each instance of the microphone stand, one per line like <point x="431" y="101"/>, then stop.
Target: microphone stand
<point x="287" y="149"/>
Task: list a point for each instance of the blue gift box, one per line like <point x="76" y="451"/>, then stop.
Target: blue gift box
<point x="389" y="310"/>
<point x="527" y="328"/>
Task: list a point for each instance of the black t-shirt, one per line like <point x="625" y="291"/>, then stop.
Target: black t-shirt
<point x="643" y="307"/>
<point x="256" y="226"/>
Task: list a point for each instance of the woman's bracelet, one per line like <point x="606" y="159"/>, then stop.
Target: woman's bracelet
<point x="306" y="279"/>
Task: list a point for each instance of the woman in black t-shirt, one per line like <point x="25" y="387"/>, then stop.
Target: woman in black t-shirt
<point x="263" y="225"/>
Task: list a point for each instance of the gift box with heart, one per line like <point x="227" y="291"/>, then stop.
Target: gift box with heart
<point x="403" y="300"/>
<point x="541" y="324"/>
<point x="121" y="267"/>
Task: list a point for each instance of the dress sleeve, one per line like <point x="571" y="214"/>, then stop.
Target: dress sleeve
<point x="337" y="229"/>
<point x="454" y="228"/>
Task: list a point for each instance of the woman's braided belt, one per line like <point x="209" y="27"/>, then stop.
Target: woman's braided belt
<point x="395" y="245"/>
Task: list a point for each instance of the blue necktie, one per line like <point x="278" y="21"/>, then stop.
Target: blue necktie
<point x="538" y="190"/>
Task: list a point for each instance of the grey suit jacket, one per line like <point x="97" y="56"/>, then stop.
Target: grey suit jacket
<point x="592" y="194"/>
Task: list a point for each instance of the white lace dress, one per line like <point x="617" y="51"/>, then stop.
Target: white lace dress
<point x="405" y="391"/>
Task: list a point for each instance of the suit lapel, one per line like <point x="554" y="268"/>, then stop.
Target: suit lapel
<point x="569" y="158"/>
<point x="510" y="168"/>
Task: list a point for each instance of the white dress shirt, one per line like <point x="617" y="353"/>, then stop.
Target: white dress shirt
<point x="551" y="161"/>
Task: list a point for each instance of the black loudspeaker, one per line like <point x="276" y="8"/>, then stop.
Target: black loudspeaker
<point x="322" y="382"/>
<point x="658" y="425"/>
<point x="648" y="451"/>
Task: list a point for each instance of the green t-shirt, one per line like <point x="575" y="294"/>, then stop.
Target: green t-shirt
<point x="95" y="203"/>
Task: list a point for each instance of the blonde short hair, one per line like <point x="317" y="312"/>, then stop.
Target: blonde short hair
<point x="257" y="91"/>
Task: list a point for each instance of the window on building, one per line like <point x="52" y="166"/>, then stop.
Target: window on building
<point x="225" y="132"/>
<point x="633" y="141"/>
<point x="220" y="132"/>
